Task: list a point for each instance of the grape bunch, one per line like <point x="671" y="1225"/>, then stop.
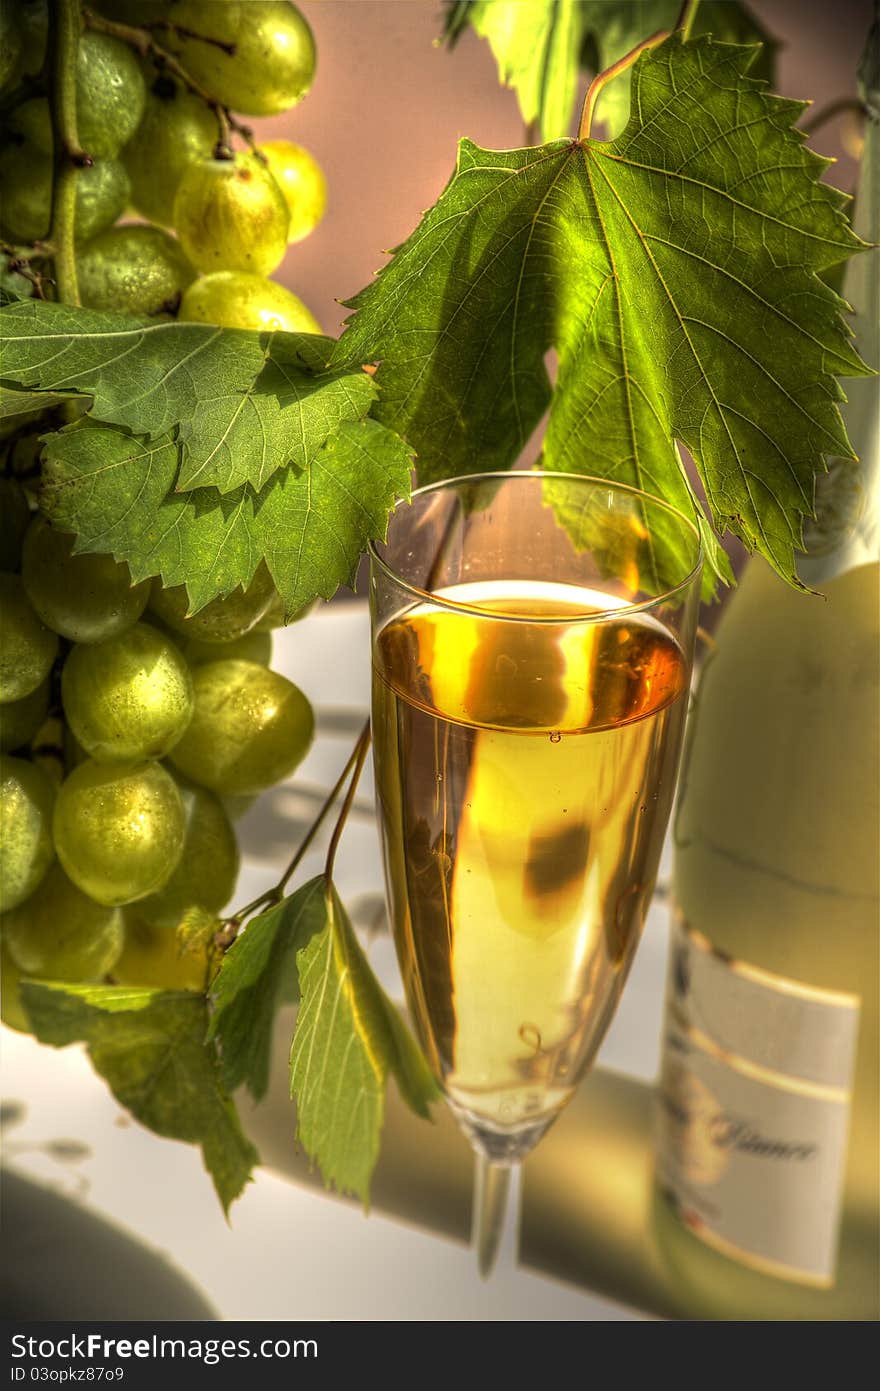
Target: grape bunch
<point x="156" y="84"/>
<point x="130" y="734"/>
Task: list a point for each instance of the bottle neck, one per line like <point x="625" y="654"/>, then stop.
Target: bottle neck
<point x="846" y="529"/>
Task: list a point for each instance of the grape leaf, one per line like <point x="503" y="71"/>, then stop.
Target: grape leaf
<point x="118" y="493"/>
<point x="312" y="527"/>
<point x="673" y="270"/>
<point x="244" y="404"/>
<point x="539" y="45"/>
<point x="149" y="1046"/>
<point x="18" y="405"/>
<point x="257" y="972"/>
<point x="348" y="1038"/>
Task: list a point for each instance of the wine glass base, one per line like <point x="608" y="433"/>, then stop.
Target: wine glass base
<point x="502" y="1145"/>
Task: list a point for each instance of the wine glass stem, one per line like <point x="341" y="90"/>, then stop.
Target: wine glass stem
<point x="496" y="1214"/>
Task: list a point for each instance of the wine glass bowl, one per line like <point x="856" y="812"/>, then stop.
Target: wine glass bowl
<point x="532" y="641"/>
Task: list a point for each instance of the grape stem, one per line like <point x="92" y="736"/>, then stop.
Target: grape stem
<point x="352" y="768"/>
<point x="69" y="156"/>
<point x="142" y="41"/>
<point x="19" y="258"/>
<point x="182" y="32"/>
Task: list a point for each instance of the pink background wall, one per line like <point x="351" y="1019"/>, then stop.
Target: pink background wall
<point x="387" y="108"/>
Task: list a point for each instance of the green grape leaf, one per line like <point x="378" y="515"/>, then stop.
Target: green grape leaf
<point x="16" y="405"/>
<point x="675" y="272"/>
<point x="119" y="494"/>
<point x="149" y="1046"/>
<point x="258" y="971"/>
<point x="539" y="46"/>
<point x="348" y="1038"/>
<point x="243" y="404"/>
<point x="313" y="526"/>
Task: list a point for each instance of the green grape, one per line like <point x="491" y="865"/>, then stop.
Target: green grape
<point x="110" y="93"/>
<point x="253" y="647"/>
<point x="177" y="129"/>
<point x="119" y="829"/>
<point x="62" y="934"/>
<point x="10" y="44"/>
<point x="250" y="729"/>
<point x="33" y="23"/>
<point x="220" y="621"/>
<point x="231" y="215"/>
<point x="26" y="800"/>
<point x="26" y="194"/>
<point x="20" y="719"/>
<point x="150" y="956"/>
<point x="128" y="698"/>
<point x="87" y="598"/>
<point x="12" y="1010"/>
<point x="239" y="299"/>
<point x="133" y="270"/>
<point x="15" y="518"/>
<point x="33" y="123"/>
<point x="273" y="65"/>
<point x="208" y="869"/>
<point x="110" y="96"/>
<point x="301" y="179"/>
<point x="27" y="647"/>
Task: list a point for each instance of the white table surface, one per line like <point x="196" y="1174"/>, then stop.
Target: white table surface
<point x="291" y="1252"/>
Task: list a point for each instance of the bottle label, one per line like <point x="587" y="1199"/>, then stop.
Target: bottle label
<point x="754" y="1109"/>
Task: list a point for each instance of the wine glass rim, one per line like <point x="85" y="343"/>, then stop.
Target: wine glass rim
<point x="603" y="615"/>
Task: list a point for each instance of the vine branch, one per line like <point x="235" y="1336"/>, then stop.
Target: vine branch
<point x="69" y="156"/>
<point x="361" y="749"/>
<point x="142" y="41"/>
<point x="353" y="765"/>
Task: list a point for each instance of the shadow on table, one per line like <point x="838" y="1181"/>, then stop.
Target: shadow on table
<point x="62" y="1262"/>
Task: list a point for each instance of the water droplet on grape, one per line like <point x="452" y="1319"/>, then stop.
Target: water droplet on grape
<point x="555" y="737"/>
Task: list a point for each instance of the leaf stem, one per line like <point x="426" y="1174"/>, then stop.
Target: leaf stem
<point x="686" y="19"/>
<point x="361" y="749"/>
<point x="601" y="80"/>
<point x="276" y="893"/>
<point x="69" y="157"/>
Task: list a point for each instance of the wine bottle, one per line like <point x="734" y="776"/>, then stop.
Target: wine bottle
<point x="768" y="1163"/>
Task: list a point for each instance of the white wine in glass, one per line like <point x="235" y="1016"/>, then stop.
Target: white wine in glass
<point x="532" y="653"/>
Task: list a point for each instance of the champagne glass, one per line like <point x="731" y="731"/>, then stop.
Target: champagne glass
<point x="532" y="646"/>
